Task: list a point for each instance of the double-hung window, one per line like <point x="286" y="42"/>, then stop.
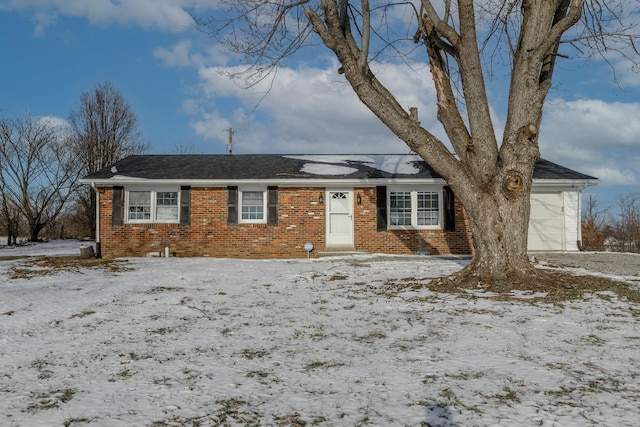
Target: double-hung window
<point x="414" y="209"/>
<point x="252" y="206"/>
<point x="152" y="206"/>
<point x="400" y="208"/>
<point x="427" y="209"/>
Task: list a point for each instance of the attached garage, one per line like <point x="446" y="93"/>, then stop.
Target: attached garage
<point x="555" y="219"/>
<point x="554" y="224"/>
<point x="546" y="224"/>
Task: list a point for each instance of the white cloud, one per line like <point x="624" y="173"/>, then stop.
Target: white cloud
<point x="314" y="110"/>
<point x="182" y="54"/>
<point x="210" y="125"/>
<point x="165" y="15"/>
<point x="178" y="55"/>
<point x="595" y="137"/>
<point x="43" y="20"/>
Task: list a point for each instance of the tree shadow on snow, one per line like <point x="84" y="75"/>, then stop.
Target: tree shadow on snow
<point x="438" y="414"/>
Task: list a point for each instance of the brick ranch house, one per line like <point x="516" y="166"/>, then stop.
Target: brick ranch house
<point x="271" y="205"/>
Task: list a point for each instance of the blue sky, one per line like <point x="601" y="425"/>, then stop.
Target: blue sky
<point x="176" y="80"/>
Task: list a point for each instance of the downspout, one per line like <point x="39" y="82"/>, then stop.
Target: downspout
<point x="579" y="221"/>
<point x="98" y="244"/>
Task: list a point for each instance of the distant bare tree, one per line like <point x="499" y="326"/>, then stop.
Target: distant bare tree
<point x="595" y="226"/>
<point x="39" y="172"/>
<point x="626" y="231"/>
<point x="9" y="218"/>
<point x="186" y="147"/>
<point x="105" y="130"/>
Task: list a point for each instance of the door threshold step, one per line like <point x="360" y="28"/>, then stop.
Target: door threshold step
<point x="339" y="251"/>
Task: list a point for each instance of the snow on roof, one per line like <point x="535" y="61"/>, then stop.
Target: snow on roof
<point x="327" y="169"/>
<point x="390" y="163"/>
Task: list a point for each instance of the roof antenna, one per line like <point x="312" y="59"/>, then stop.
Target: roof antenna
<point x="230" y="145"/>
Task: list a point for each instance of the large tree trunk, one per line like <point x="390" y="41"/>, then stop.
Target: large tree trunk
<point x="499" y="224"/>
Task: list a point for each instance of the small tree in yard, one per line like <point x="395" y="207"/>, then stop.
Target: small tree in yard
<point x="492" y="178"/>
<point x="595" y="229"/>
<point x="38" y="175"/>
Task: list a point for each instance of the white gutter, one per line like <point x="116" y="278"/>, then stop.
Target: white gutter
<point x="282" y="182"/>
<point x="306" y="182"/>
<point x="578" y="184"/>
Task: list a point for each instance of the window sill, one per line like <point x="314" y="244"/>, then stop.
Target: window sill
<point x="412" y="228"/>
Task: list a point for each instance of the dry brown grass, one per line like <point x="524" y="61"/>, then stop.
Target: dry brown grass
<point x="44" y="266"/>
<point x="548" y="286"/>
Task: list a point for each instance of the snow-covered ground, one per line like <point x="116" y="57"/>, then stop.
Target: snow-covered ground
<point x="207" y="342"/>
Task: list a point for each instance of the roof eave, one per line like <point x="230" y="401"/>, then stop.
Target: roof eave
<point x="324" y="182"/>
<point x="107" y="182"/>
<point x="578" y="184"/>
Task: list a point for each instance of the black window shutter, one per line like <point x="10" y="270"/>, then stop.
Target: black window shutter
<point x="185" y="205"/>
<point x="232" y="205"/>
<point x="117" y="208"/>
<point x="449" y="210"/>
<point x="381" y="207"/>
<point x="272" y="205"/>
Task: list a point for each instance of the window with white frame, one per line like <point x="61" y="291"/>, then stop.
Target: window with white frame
<point x="414" y="209"/>
<point x="152" y="206"/>
<point x="253" y="206"/>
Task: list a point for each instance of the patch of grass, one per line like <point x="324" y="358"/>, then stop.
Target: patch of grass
<point x="593" y="339"/>
<point x="158" y="289"/>
<point x="135" y="356"/>
<point x="453" y="400"/>
<point x="162" y="381"/>
<point x="41" y="366"/>
<point x="337" y="277"/>
<point x="82" y="314"/>
<point x="251" y="354"/>
<point x="45" y="266"/>
<point x="257" y="374"/>
<point x="71" y="421"/>
<point x="321" y="365"/>
<point x="13" y="257"/>
<point x="231" y="413"/>
<point x="466" y="375"/>
<point x="508" y="396"/>
<point x="294" y="420"/>
<point x="371" y="337"/>
<point x="162" y="331"/>
<point x="546" y="286"/>
<point x="122" y="375"/>
<point x="51" y="399"/>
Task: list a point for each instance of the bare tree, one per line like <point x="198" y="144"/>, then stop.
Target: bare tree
<point x="186" y="147"/>
<point x="492" y="178"/>
<point x="10" y="219"/>
<point x="105" y="130"/>
<point x="626" y="230"/>
<point x="38" y="174"/>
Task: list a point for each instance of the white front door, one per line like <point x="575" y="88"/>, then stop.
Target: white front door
<point x="339" y="218"/>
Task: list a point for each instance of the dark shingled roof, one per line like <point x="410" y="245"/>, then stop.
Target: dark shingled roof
<point x="278" y="166"/>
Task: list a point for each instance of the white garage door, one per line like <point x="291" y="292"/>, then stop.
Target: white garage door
<point x="546" y="225"/>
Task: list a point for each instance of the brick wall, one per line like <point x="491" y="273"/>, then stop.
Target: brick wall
<point x="301" y="219"/>
<point x="434" y="242"/>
